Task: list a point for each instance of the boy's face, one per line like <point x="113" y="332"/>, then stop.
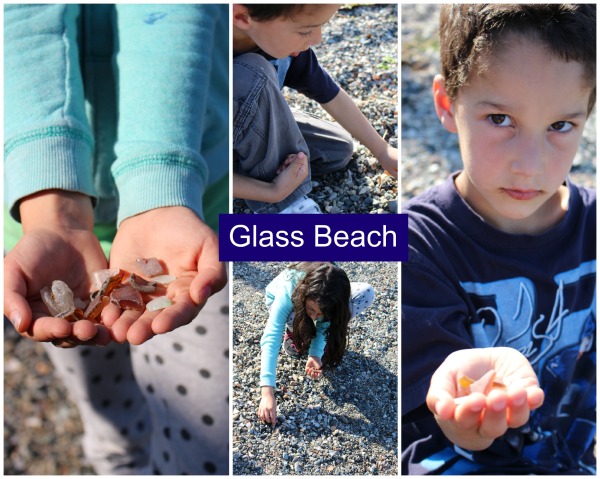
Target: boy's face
<point x="519" y="124"/>
<point x="283" y="37"/>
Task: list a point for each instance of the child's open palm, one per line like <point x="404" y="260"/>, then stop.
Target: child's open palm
<point x="477" y="419"/>
<point x="189" y="250"/>
<point x="58" y="244"/>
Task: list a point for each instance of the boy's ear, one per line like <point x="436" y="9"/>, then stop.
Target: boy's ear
<point x="443" y="105"/>
<point x="241" y="17"/>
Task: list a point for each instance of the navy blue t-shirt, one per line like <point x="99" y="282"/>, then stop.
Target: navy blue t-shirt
<point x="467" y="284"/>
<point x="304" y="74"/>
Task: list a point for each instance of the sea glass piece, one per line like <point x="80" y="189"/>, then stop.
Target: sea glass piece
<point x="149" y="267"/>
<point x="95" y="307"/>
<point x="127" y="297"/>
<point x="484" y="383"/>
<point x="140" y="284"/>
<point x="111" y="283"/>
<point x="159" y="303"/>
<point x="79" y="303"/>
<point x="102" y="275"/>
<point x="164" y="279"/>
<point x="58" y="299"/>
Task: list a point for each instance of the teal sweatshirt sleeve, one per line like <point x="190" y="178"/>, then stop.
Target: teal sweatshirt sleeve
<point x="317" y="345"/>
<point x="164" y="67"/>
<point x="47" y="139"/>
<point x="280" y="291"/>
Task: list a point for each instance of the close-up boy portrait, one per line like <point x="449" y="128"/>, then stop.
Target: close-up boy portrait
<point x="499" y="290"/>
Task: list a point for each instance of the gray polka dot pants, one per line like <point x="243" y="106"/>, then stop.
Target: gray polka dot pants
<point x="158" y="408"/>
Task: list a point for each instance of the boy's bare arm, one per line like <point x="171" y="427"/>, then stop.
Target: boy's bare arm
<point x="289" y="177"/>
<point x="343" y="109"/>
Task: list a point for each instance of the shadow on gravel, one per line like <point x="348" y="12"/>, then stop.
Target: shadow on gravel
<point x="373" y="390"/>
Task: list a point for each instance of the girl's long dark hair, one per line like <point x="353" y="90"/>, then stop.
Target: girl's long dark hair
<point x="329" y="286"/>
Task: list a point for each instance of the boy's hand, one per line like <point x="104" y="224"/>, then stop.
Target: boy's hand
<point x="58" y="243"/>
<point x="313" y="367"/>
<point x="291" y="174"/>
<point x="189" y="250"/>
<point x="389" y="161"/>
<point x="478" y="419"/>
<point x="267" y="410"/>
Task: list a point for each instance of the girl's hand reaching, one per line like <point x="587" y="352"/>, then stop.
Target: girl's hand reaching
<point x="474" y="421"/>
<point x="313" y="367"/>
<point x="267" y="410"/>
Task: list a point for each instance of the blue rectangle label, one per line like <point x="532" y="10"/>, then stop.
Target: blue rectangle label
<point x="313" y="237"/>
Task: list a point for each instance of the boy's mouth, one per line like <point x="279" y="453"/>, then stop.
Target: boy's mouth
<point x="522" y="195"/>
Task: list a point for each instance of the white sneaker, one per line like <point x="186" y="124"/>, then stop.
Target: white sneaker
<point x="303" y="205"/>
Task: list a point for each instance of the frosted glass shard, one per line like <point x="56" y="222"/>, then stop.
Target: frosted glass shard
<point x="159" y="303"/>
<point x="149" y="267"/>
<point x="111" y="283"/>
<point x="58" y="299"/>
<point x="164" y="279"/>
<point x="102" y="275"/>
<point x="126" y="297"/>
<point x="95" y="307"/>
<point x="140" y="284"/>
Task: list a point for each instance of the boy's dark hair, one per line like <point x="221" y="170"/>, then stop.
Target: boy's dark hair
<point x="329" y="286"/>
<point x="467" y="31"/>
<point x="267" y="12"/>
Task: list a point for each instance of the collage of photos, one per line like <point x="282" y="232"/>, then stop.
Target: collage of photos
<point x="134" y="134"/>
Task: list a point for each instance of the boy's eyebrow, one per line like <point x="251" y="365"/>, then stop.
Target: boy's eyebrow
<point x="313" y="26"/>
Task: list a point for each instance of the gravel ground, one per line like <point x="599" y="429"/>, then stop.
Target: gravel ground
<point x="429" y="153"/>
<point x="360" y="51"/>
<point x="343" y="424"/>
<point x="42" y="428"/>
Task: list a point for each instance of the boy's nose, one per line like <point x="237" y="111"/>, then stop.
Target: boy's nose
<point x="528" y="159"/>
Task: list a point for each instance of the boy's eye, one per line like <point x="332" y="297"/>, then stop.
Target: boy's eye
<point x="562" y="126"/>
<point x="305" y="34"/>
<point x="500" y="120"/>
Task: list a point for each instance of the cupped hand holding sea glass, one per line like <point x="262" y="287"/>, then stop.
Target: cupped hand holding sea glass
<point x="58" y="244"/>
<point x="187" y="249"/>
<point x="477" y="394"/>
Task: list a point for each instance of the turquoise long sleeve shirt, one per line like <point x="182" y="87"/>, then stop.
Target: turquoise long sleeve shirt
<point x="125" y="103"/>
<point x="279" y="294"/>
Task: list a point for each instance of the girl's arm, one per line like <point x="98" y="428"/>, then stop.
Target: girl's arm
<point x="47" y="138"/>
<point x="317" y="345"/>
<point x="280" y="290"/>
<point x="164" y="62"/>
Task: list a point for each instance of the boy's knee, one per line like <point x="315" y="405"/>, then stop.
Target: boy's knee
<point x="347" y="146"/>
<point x="252" y="64"/>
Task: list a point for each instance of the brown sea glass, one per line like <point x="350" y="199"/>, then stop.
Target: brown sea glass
<point x="140" y="284"/>
<point x="126" y="297"/>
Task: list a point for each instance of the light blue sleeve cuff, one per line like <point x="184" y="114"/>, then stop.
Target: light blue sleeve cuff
<point x="156" y="181"/>
<point x="49" y="158"/>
